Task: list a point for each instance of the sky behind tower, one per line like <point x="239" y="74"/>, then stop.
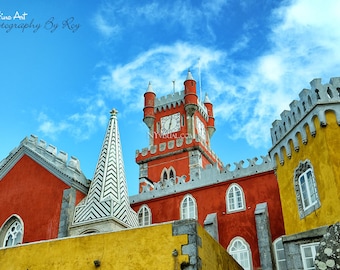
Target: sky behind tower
<point x="66" y="64"/>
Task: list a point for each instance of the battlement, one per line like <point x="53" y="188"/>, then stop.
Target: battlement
<point x="174" y="145"/>
<point x="208" y="176"/>
<point x="171" y="100"/>
<point x="313" y="104"/>
<point x="176" y="99"/>
<point x="48" y="156"/>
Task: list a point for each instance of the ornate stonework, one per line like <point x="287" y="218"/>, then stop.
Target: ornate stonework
<point x="107" y="200"/>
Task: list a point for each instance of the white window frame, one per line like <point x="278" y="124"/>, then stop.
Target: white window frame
<point x="235" y="199"/>
<point x="279" y="261"/>
<point x="188" y="207"/>
<point x="307" y="192"/>
<point x="313" y="248"/>
<point x="308" y="189"/>
<point x="12" y="228"/>
<point x="144" y="215"/>
<point x="241" y="253"/>
<point x="167" y="173"/>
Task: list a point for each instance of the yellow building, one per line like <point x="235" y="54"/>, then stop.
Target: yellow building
<point x="305" y="151"/>
<point x="176" y="245"/>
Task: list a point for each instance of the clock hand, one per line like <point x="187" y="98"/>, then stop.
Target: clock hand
<point x="170" y="122"/>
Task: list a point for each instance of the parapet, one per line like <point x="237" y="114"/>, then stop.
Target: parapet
<point x="58" y="163"/>
<point x="176" y="99"/>
<point x="313" y="104"/>
<point x="208" y="176"/>
<point x="171" y="100"/>
<point x="174" y="144"/>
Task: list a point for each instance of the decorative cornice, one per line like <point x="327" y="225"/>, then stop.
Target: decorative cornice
<point x="68" y="170"/>
<point x="177" y="145"/>
<point x="313" y="104"/>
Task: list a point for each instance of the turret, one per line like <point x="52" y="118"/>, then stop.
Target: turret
<point x="149" y="104"/>
<point x="211" y="119"/>
<point x="190" y="96"/>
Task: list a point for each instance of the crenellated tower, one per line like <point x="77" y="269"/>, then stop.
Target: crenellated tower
<point x="180" y="127"/>
<point x="149" y="105"/>
<point x="305" y="151"/>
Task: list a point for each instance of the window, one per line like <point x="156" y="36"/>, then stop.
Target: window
<point x="240" y="251"/>
<point x="168" y="174"/>
<point x="144" y="216"/>
<point x="188" y="208"/>
<point x="235" y="198"/>
<point x="165" y="175"/>
<point x="171" y="174"/>
<point x="306" y="189"/>
<point x="280" y="257"/>
<point x="308" y="253"/>
<point x="12" y="232"/>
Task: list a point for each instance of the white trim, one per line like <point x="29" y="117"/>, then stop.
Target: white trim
<point x="142" y="210"/>
<point x="231" y="190"/>
<point x="242" y="250"/>
<point x="187" y="213"/>
<point x="305" y="258"/>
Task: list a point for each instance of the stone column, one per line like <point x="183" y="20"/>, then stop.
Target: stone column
<point x="264" y="237"/>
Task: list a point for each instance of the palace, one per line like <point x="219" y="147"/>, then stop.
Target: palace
<point x="192" y="211"/>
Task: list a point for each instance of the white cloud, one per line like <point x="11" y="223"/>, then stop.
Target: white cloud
<point x="250" y="94"/>
<point x="160" y="65"/>
<point x="119" y="16"/>
<point x="81" y="125"/>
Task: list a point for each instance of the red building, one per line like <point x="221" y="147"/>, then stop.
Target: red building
<point x="181" y="177"/>
<point x="39" y="188"/>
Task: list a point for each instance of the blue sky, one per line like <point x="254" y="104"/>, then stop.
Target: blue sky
<point x="75" y="60"/>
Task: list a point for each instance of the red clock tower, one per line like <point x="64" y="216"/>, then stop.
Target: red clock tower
<point x="180" y="128"/>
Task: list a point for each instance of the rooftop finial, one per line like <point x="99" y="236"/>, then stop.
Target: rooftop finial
<point x="149" y="88"/>
<point x="206" y="99"/>
<point x="189" y="76"/>
<point x="114" y="112"/>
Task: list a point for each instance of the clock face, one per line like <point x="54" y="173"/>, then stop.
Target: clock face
<point x="200" y="128"/>
<point x="170" y="123"/>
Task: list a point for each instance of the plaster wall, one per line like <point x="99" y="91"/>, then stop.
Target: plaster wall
<point x="35" y="194"/>
<point x="212" y="199"/>
<point x="322" y="152"/>
<point x="140" y="248"/>
<point x="214" y="256"/>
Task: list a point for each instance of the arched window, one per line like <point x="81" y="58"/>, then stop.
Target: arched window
<point x="168" y="174"/>
<point x="235" y="198"/>
<point x="171" y="174"/>
<point x="306" y="189"/>
<point x="188" y="207"/>
<point x="165" y="175"/>
<point x="280" y="258"/>
<point x="12" y="232"/>
<point x="144" y="215"/>
<point x="239" y="249"/>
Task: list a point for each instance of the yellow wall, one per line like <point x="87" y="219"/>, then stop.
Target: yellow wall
<point x="140" y="248"/>
<point x="323" y="153"/>
<point x="213" y="255"/>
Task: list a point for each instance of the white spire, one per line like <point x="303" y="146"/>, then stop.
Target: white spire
<point x="108" y="196"/>
<point x="189" y="76"/>
<point x="150" y="89"/>
<point x="206" y="99"/>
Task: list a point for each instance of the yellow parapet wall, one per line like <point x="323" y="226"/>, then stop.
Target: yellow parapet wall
<point x="153" y="247"/>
